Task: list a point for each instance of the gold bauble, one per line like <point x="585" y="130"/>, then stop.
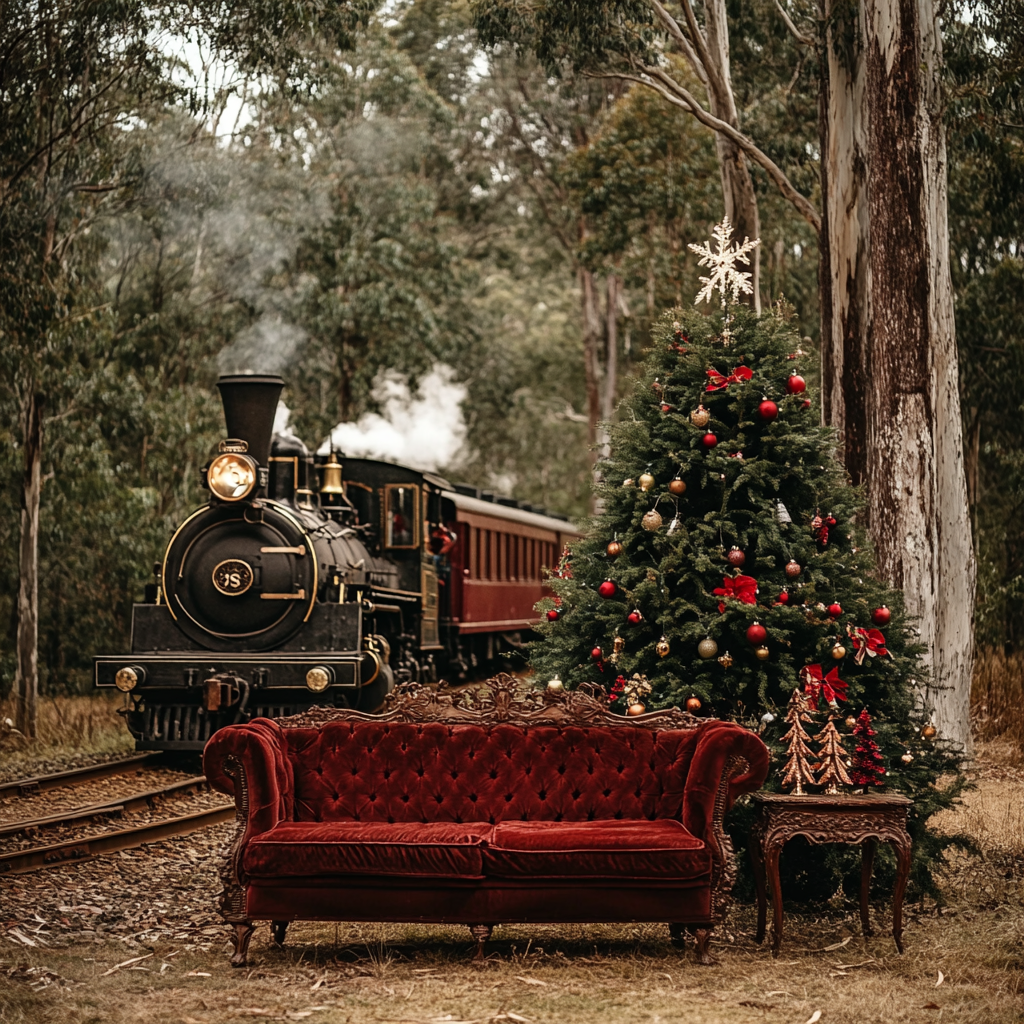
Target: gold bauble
<point x="555" y="685"/>
<point x="646" y="481"/>
<point x="618" y="645"/>
<point x="635" y="709"/>
<point x="693" y="705"/>
<point x="907" y="757"/>
<point x="614" y="548"/>
<point x="929" y="732"/>
<point x="725" y="660"/>
<point x="677" y="486"/>
<point x="700" y="417"/>
<point x="839" y="652"/>
<point x="707" y="648"/>
<point x="762" y="653"/>
<point x="662" y="648"/>
<point x="793" y="569"/>
<point x="850" y="722"/>
<point x="652" y="520"/>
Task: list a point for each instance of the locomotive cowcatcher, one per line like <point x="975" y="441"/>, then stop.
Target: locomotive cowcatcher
<point x="307" y="581"/>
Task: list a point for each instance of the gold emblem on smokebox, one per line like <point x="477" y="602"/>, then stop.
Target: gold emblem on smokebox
<point x="232" y="577"/>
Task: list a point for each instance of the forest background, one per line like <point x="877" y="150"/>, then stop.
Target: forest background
<point x="391" y="205"/>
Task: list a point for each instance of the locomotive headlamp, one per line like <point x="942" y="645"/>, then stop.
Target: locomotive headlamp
<point x="126" y="679"/>
<point x="318" y="679"/>
<point x="231" y="476"/>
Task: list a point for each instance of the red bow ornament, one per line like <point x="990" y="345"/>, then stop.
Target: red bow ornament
<point x="831" y="687"/>
<point x="741" y="588"/>
<point x="868" y="642"/>
<point x="719" y="380"/>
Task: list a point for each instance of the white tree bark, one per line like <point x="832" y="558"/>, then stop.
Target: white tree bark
<point x="915" y="467"/>
<point x="26" y="682"/>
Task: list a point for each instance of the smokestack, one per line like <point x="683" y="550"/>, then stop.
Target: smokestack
<point x="250" y="401"/>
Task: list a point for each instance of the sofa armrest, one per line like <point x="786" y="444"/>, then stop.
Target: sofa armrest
<point x="728" y="761"/>
<point x="250" y="763"/>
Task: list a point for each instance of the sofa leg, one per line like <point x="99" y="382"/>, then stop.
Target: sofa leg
<point x="703" y="940"/>
<point x="242" y="934"/>
<point x="277" y="930"/>
<point x="677" y="933"/>
<point x="481" y="932"/>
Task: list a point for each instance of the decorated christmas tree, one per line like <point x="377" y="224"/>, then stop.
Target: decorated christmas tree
<point x="728" y="559"/>
<point x="868" y="769"/>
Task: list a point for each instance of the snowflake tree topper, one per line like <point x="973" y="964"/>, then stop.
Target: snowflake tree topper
<point x="724" y="275"/>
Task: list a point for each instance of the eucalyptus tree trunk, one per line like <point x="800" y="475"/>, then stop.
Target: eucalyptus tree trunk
<point x="844" y="268"/>
<point x="737" y="184"/>
<point x="26" y="684"/>
<point x="889" y="346"/>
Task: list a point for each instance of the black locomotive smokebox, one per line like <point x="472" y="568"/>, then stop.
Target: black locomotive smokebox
<point x="250" y="402"/>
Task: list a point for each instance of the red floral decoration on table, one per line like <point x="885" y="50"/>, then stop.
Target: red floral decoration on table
<point x="740" y="588"/>
<point x="867" y="643"/>
<point x="867" y="768"/>
<point x="829" y="687"/>
<point x="719" y="380"/>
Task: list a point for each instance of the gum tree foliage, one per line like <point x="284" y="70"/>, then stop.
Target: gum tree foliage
<point x="75" y="81"/>
<point x="670" y="575"/>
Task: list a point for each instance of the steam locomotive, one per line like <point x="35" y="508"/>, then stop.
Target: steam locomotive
<point x="303" y="581"/>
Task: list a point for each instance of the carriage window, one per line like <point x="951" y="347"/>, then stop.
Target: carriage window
<point x="400" y="516"/>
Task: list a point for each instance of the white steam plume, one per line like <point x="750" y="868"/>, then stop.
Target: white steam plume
<point x="424" y="430"/>
<point x="269" y="345"/>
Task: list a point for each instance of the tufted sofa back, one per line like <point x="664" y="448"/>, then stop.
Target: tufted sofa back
<point x="370" y="771"/>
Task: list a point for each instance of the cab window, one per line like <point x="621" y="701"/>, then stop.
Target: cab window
<point x="400" y="516"/>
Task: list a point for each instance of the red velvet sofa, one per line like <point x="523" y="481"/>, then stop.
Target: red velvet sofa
<point x="482" y="810"/>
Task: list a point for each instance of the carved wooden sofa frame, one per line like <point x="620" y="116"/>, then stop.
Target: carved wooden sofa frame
<point x="502" y="702"/>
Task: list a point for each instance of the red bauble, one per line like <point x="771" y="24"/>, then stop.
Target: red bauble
<point x="596" y="654"/>
<point x="881" y="616"/>
<point x="793" y="569"/>
<point x="806" y="404"/>
<point x="736" y="557"/>
<point x="693" y="705"/>
<point x="767" y="410"/>
<point x="835" y="610"/>
<point x="607" y="589"/>
<point x="709" y="441"/>
<point x="756" y="634"/>
<point x="665" y="407"/>
<point x="553" y="614"/>
<point x="784" y="597"/>
<point x="796" y="384"/>
<point x="634" y="618"/>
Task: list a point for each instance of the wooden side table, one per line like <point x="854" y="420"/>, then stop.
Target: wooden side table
<point x="863" y="820"/>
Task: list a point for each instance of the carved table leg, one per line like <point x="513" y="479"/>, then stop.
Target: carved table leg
<point x="902" y="847"/>
<point x="867" y="860"/>
<point x="703" y="940"/>
<point x="481" y="932"/>
<point x="677" y="935"/>
<point x="242" y="934"/>
<point x="277" y="931"/>
<point x="771" y="859"/>
<point x="757" y="860"/>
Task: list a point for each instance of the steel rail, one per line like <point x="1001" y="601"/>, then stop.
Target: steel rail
<point x="75" y="776"/>
<point x="135" y="802"/>
<point x="78" y="850"/>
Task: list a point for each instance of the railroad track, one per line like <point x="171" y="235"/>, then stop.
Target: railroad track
<point x="81" y="848"/>
<point x="76" y="776"/>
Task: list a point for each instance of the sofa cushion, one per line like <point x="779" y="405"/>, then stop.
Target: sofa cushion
<point x="623" y="850"/>
<point x="310" y="849"/>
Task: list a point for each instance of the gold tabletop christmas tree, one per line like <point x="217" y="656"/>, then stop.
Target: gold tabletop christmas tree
<point x="797" y="771"/>
<point x="833" y="758"/>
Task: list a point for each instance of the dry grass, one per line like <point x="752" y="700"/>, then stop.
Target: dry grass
<point x="540" y="975"/>
<point x="68" y="727"/>
<point x="997" y="700"/>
